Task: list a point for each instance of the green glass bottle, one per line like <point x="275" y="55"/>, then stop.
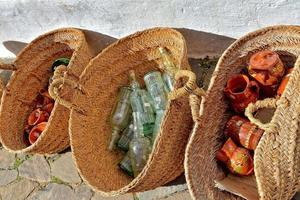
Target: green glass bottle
<point x="170" y="68"/>
<point x="60" y="61"/>
<point x="141" y="103"/>
<point x="168" y="64"/>
<point x="139" y="147"/>
<point x="125" y="165"/>
<point x="159" y="117"/>
<point x="121" y="115"/>
<point x="126" y="137"/>
<point x="169" y="82"/>
<point x="156" y="89"/>
<point x="148" y="116"/>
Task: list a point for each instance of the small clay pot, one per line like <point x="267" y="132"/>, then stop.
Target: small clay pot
<point x="284" y="82"/>
<point x="241" y="91"/>
<point x="37" y="116"/>
<point x="48" y="108"/>
<point x="267" y="69"/>
<point x="243" y="132"/>
<point x="36" y="131"/>
<point x="237" y="159"/>
<point x="47" y="98"/>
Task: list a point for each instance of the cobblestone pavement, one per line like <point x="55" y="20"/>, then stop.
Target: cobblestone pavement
<point x="55" y="177"/>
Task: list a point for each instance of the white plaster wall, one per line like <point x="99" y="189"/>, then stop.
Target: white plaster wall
<point x="23" y="20"/>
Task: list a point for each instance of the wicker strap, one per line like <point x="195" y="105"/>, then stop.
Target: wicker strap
<point x="59" y="72"/>
<point x="189" y="88"/>
<point x="266" y="103"/>
<point x="195" y="107"/>
<point x="56" y="86"/>
<point x="8" y="66"/>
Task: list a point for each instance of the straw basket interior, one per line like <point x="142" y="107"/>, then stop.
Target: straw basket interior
<point x="33" y="72"/>
<point x="90" y="133"/>
<point x="202" y="169"/>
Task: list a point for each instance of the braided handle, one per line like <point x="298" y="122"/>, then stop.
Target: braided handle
<point x="56" y="86"/>
<point x="266" y="103"/>
<point x="189" y="88"/>
<point x="8" y="66"/>
<point x="195" y="107"/>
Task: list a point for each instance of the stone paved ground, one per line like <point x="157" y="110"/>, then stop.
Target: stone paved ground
<point x="25" y="177"/>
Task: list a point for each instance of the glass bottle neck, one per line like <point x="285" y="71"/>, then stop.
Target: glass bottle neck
<point x="133" y="82"/>
<point x="169" y="65"/>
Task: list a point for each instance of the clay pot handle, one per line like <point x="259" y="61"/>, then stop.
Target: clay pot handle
<point x="254" y="85"/>
<point x="266" y="103"/>
<point x="55" y="87"/>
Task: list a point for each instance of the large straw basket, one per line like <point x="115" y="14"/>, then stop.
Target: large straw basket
<point x="32" y="70"/>
<point x="94" y="99"/>
<point x="276" y="158"/>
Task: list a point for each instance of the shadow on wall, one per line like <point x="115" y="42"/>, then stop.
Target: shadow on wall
<point x="97" y="41"/>
<point x="200" y="45"/>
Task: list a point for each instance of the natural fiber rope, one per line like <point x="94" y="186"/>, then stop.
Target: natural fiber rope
<point x="8" y="66"/>
<point x="55" y="87"/>
<point x="266" y="103"/>
<point x="59" y="72"/>
<point x="195" y="107"/>
<point x="189" y="88"/>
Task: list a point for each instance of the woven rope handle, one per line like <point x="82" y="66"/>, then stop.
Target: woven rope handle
<point x="189" y="88"/>
<point x="8" y="66"/>
<point x="266" y="103"/>
<point x="54" y="91"/>
<point x="195" y="107"/>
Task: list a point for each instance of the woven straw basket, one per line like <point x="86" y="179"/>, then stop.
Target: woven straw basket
<point x="32" y="69"/>
<point x="94" y="99"/>
<point x="276" y="158"/>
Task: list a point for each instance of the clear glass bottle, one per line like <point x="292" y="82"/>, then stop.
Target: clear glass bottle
<point x="126" y="137"/>
<point x="141" y="103"/>
<point x="169" y="65"/>
<point x="148" y="117"/>
<point x="170" y="68"/>
<point x="169" y="82"/>
<point x="139" y="147"/>
<point x="121" y="115"/>
<point x="156" y="88"/>
<point x="125" y="165"/>
<point x="159" y="117"/>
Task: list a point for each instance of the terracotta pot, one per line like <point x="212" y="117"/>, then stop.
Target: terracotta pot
<point x="237" y="159"/>
<point x="267" y="68"/>
<point x="241" y="91"/>
<point x="37" y="116"/>
<point x="243" y="132"/>
<point x="36" y="131"/>
<point x="48" y="108"/>
<point x="47" y="98"/>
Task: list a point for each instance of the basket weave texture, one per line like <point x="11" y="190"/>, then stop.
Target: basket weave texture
<point x="32" y="70"/>
<point x="94" y="99"/>
<point x="277" y="157"/>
